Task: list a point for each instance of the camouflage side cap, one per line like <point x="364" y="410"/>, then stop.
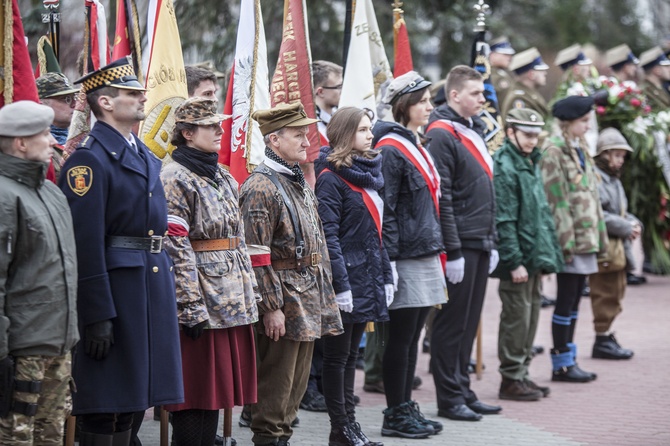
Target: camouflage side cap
<point x="198" y="111"/>
<point x="54" y="84"/>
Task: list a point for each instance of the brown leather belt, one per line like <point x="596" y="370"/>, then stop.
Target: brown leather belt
<point x="216" y="244"/>
<point x="311" y="260"/>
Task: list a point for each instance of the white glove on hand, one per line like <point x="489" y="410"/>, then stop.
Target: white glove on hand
<point x="345" y="301"/>
<point x="395" y="277"/>
<point x="493" y="260"/>
<point x="455" y="270"/>
<point x="390" y="293"/>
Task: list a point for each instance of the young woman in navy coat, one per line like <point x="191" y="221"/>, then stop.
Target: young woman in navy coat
<point x="351" y="209"/>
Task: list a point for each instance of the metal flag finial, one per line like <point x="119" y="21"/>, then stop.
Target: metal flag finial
<point x="481" y="9"/>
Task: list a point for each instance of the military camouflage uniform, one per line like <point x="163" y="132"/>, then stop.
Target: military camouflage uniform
<point x="54" y="402"/>
<point x="572" y="194"/>
<point x="658" y="98"/>
<point x="211" y="285"/>
<point x="306" y="298"/>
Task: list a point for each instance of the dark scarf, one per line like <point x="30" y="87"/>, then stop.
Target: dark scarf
<point x="364" y="172"/>
<point x="60" y="134"/>
<point x="198" y="162"/>
<point x="297" y="171"/>
<point x="604" y="164"/>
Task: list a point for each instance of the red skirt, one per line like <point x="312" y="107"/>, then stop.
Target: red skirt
<point x="219" y="369"/>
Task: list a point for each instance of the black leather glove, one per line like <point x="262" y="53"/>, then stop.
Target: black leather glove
<point x="196" y="331"/>
<point x="99" y="338"/>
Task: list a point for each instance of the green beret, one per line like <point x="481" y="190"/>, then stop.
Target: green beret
<point x="24" y="118"/>
<point x="283" y="115"/>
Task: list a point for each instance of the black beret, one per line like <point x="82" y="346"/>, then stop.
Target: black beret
<point x="572" y="107"/>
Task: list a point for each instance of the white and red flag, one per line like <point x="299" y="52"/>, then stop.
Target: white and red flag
<point x="242" y="146"/>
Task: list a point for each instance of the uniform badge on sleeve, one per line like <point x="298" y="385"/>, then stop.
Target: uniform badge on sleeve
<point x="79" y="179"/>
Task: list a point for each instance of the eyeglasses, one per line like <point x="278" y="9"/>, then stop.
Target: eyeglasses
<point x="334" y="87"/>
<point x="69" y="99"/>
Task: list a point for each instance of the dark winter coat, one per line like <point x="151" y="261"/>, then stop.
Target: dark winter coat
<point x="114" y="191"/>
<point x="526" y="232"/>
<point x="358" y="259"/>
<point x="467" y="204"/>
<point x="411" y="226"/>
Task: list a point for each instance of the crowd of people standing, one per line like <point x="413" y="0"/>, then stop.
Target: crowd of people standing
<point x="196" y="293"/>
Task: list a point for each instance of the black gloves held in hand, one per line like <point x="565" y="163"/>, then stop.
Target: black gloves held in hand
<point x="99" y="337"/>
<point x="196" y="331"/>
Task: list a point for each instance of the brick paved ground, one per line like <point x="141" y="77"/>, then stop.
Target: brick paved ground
<point x="624" y="406"/>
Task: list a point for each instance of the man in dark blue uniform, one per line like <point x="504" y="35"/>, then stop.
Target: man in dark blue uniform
<point x="129" y="357"/>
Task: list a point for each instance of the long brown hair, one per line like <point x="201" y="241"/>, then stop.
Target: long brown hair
<point x="341" y="132"/>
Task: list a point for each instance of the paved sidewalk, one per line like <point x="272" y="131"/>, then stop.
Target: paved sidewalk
<point x="624" y="406"/>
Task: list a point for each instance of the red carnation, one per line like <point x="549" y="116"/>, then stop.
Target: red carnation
<point x="635" y="102"/>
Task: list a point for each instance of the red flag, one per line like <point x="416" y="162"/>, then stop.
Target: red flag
<point x="402" y="53"/>
<point x="227" y="125"/>
<point x="292" y="79"/>
<point x="18" y="83"/>
<point x="127" y="38"/>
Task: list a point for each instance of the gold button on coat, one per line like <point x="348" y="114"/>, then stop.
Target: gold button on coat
<point x="151" y="232"/>
<point x="155" y="269"/>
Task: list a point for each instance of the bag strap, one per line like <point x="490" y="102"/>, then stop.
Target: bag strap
<point x="299" y="241"/>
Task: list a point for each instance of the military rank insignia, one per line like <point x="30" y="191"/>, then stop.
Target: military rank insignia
<point x="79" y="179"/>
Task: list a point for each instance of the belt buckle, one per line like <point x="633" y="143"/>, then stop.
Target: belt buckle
<point x="315" y="258"/>
<point x="156" y="244"/>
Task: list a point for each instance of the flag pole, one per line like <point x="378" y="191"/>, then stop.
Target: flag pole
<point x="348" y="21"/>
<point x="52" y="17"/>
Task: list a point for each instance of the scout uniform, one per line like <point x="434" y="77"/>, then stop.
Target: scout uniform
<point x="501" y="78"/>
<point x="522" y="96"/>
<point x="293" y="274"/>
<point x="527" y="238"/>
<point x="125" y="276"/>
<point x="38" y="290"/>
<point x="56" y="85"/>
<point x="658" y="97"/>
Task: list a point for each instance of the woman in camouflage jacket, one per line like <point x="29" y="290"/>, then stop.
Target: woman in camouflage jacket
<point x="570" y="183"/>
<point x="216" y="286"/>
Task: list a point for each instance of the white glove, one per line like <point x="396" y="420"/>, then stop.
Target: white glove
<point x="455" y="270"/>
<point x="493" y="260"/>
<point x="345" y="301"/>
<point x="390" y="293"/>
<point x="395" y="277"/>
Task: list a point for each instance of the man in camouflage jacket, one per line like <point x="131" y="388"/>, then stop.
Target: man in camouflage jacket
<point x="298" y="301"/>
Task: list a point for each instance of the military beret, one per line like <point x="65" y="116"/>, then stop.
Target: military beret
<point x="570" y="56"/>
<point x="652" y="57"/>
<point x="118" y="74"/>
<point x="610" y="139"/>
<point x="527" y="60"/>
<point x="525" y="119"/>
<point x="24" y="118"/>
<point x="198" y="111"/>
<point x="50" y="85"/>
<point x="620" y="55"/>
<point x="283" y="115"/>
<point x="572" y="107"/>
<point x="407" y="83"/>
<point x="501" y="45"/>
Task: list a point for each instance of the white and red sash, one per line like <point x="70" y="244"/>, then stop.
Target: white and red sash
<point x="470" y="139"/>
<point x="421" y="159"/>
<point x="372" y="201"/>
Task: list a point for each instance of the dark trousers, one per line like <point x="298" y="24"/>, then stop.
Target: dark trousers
<point x="375" y="345"/>
<point x="316" y="369"/>
<point x="339" y="373"/>
<point x="405" y="327"/>
<point x="454" y="331"/>
<point x="568" y="294"/>
<point x="108" y="423"/>
<point x="283" y="370"/>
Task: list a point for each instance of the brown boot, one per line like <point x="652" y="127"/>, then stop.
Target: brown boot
<point x="517" y="390"/>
